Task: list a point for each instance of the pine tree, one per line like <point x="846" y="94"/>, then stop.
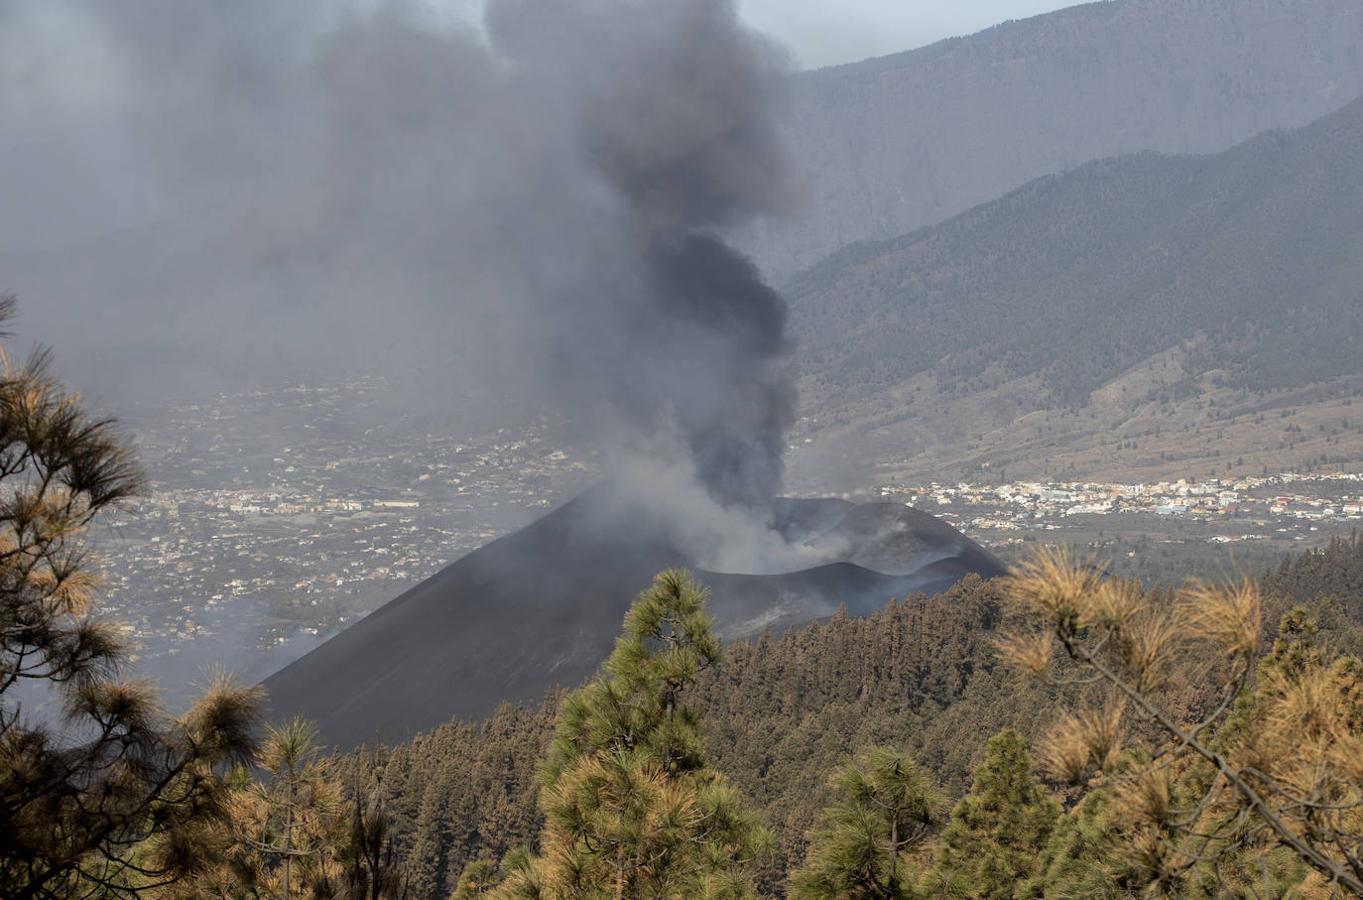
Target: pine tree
<point x="996" y="832"/>
<point x="860" y="849"/>
<point x="293" y="832"/>
<point x="478" y="879"/>
<point x="631" y="808"/>
<point x="116" y="798"/>
<point x="1270" y="770"/>
<point x="370" y="869"/>
<point x="283" y="826"/>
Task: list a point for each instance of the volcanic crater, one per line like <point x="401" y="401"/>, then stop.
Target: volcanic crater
<point x="542" y="607"/>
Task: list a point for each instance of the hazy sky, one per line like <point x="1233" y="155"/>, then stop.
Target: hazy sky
<point x="828" y="32"/>
<point x="127" y="117"/>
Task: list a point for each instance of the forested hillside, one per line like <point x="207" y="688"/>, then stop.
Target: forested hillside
<point x="781" y="713"/>
<point x="1192" y="292"/>
<point x="899" y="142"/>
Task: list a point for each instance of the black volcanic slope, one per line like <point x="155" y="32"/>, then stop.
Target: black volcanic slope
<point x="542" y="607"/>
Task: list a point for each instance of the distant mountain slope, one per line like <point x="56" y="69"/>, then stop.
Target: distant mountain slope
<point x="895" y="143"/>
<point x="542" y="607"/>
<point x="1222" y="280"/>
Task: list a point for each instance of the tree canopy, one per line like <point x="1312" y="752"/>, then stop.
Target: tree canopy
<point x="115" y="797"/>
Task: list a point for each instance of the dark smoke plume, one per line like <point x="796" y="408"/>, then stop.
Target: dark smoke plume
<point x="673" y="104"/>
<point x="208" y="192"/>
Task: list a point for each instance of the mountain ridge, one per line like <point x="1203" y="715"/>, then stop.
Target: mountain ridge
<point x="1191" y="289"/>
<point x="889" y="144"/>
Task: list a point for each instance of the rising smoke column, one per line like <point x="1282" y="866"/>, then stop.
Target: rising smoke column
<point x="537" y="205"/>
<point x="674" y="106"/>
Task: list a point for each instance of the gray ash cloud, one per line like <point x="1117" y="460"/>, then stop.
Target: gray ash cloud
<point x="203" y="193"/>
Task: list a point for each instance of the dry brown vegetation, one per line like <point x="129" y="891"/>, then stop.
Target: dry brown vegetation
<point x="1273" y="760"/>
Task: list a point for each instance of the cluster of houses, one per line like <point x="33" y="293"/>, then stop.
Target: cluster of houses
<point x="263" y="544"/>
<point x="1301" y="497"/>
